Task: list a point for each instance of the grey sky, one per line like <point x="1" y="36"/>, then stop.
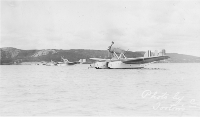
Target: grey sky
<point x="134" y="25"/>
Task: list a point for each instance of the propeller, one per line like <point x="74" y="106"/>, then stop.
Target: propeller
<point x="109" y="53"/>
<point x="109" y="47"/>
<point x="109" y="50"/>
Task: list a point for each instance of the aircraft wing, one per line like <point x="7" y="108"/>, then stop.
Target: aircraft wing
<point x="99" y="59"/>
<point x="142" y="60"/>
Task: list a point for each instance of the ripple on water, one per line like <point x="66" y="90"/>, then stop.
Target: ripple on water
<point x="77" y="90"/>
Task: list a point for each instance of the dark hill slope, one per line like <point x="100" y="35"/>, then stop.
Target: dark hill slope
<point x="11" y="55"/>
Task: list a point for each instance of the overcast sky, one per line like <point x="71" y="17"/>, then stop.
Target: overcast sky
<point x="134" y="25"/>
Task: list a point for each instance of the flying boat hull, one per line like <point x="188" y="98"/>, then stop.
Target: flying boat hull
<point x="121" y="65"/>
<point x="116" y="65"/>
<point x="101" y="65"/>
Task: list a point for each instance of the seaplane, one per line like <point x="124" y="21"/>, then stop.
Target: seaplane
<point x="118" y="59"/>
<point x="51" y="63"/>
<point x="66" y="62"/>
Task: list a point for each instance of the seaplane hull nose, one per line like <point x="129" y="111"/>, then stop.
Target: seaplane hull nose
<point x="101" y="65"/>
<point x="121" y="65"/>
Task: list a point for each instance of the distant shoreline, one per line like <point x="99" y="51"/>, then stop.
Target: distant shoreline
<point x="11" y="56"/>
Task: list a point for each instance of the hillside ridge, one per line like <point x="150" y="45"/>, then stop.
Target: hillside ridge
<point x="10" y="55"/>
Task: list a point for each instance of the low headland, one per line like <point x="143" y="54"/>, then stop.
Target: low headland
<point x="10" y="56"/>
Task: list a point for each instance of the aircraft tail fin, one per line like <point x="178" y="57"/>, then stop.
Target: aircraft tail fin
<point x="162" y="53"/>
<point x="150" y="54"/>
<point x="82" y="61"/>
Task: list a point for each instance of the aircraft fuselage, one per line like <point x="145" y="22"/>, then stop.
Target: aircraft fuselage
<point x="116" y="65"/>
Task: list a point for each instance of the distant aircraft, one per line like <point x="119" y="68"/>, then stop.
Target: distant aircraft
<point x="52" y="63"/>
<point x="120" y="61"/>
<point x="81" y="61"/>
<point x="68" y="62"/>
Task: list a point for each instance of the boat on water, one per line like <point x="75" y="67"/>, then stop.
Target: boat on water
<point x="120" y="61"/>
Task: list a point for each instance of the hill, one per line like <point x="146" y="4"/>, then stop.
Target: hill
<point x="11" y="55"/>
<point x="181" y="58"/>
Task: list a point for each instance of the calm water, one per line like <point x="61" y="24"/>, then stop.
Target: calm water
<point x="171" y="90"/>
